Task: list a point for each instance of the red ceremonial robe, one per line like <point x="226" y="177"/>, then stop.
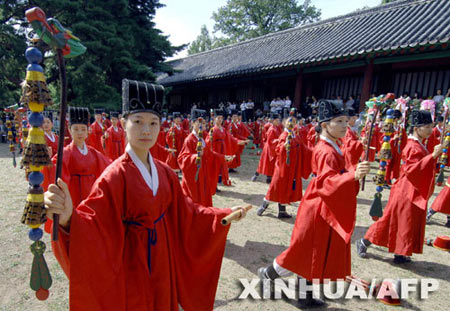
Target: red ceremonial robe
<point x="49" y="171"/>
<point x="265" y="130"/>
<point x="266" y="165"/>
<point x="435" y="139"/>
<point x="393" y="165"/>
<point x="95" y="137"/>
<point x="115" y="143"/>
<point x="239" y="131"/>
<point x="172" y="157"/>
<point x="79" y="172"/>
<point x="132" y="249"/>
<point x="67" y="136"/>
<point x="352" y="148"/>
<point x="286" y="184"/>
<point x="375" y="141"/>
<point x="442" y="202"/>
<point x="159" y="150"/>
<point x="402" y="227"/>
<point x="312" y="137"/>
<point x="257" y="132"/>
<point x="222" y="143"/>
<point x="202" y="189"/>
<point x="320" y="242"/>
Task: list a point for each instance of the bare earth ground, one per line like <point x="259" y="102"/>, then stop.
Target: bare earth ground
<point x="252" y="243"/>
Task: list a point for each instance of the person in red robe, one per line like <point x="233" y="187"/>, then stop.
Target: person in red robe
<point x="441" y="204"/>
<point x="67" y="137"/>
<point x="290" y="168"/>
<point x="266" y="165"/>
<point x="435" y="137"/>
<point x="159" y="150"/>
<point x="114" y="138"/>
<point x="352" y="146"/>
<point x="402" y="227"/>
<point x="106" y="121"/>
<point x="174" y="139"/>
<point x="375" y="140"/>
<point x="52" y="142"/>
<point x="199" y="178"/>
<point x="186" y="123"/>
<point x="257" y="132"/>
<point x="137" y="242"/>
<point x="82" y="164"/>
<point x="397" y="145"/>
<point x="241" y="132"/>
<point x="320" y="242"/>
<point x="96" y="131"/>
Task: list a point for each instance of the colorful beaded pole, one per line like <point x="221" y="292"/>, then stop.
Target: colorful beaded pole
<point x="445" y="140"/>
<point x="290" y="127"/>
<point x="35" y="156"/>
<point x="376" y="209"/>
<point x="198" y="159"/>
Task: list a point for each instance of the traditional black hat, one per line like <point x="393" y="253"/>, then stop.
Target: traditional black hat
<point x="351" y="112"/>
<point x="219" y="112"/>
<point x="198" y="113"/>
<point x="234" y="112"/>
<point x="420" y="118"/>
<point x="79" y="115"/>
<point x="440" y="119"/>
<point x="114" y="114"/>
<point x="329" y="109"/>
<point x="48" y="114"/>
<point x="140" y="96"/>
<point x="275" y="116"/>
<point x="397" y="114"/>
<point x="176" y="115"/>
<point x="98" y="110"/>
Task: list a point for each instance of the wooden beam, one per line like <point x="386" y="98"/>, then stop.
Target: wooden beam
<point x="367" y="84"/>
<point x="298" y="90"/>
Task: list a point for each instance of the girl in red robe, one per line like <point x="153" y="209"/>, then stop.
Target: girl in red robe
<point x="174" y="139"/>
<point x="266" y="165"/>
<point x="320" y="242"/>
<point x="286" y="185"/>
<point x="114" y="138"/>
<point x="158" y="150"/>
<point x="96" y="131"/>
<point x="52" y="142"/>
<point x="199" y="182"/>
<point x="441" y="204"/>
<point x="137" y="242"/>
<point x="402" y="227"/>
<point x="397" y="145"/>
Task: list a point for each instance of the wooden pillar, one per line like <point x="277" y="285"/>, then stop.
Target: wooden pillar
<point x="298" y="90"/>
<point x="367" y="84"/>
<point x="273" y="91"/>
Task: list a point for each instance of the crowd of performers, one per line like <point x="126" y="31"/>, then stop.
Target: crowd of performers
<point x="125" y="217"/>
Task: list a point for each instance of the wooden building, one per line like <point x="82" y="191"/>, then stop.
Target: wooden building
<point x="397" y="47"/>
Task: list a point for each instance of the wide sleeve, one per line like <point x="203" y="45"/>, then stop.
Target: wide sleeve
<point x="199" y="245"/>
<point x="272" y="141"/>
<point x="96" y="228"/>
<point x="338" y="191"/>
<point x="187" y="158"/>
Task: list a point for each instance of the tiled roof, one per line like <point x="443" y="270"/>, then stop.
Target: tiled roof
<point x="397" y="25"/>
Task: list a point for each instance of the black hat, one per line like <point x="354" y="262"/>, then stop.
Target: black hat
<point x="79" y="115"/>
<point x="98" y="110"/>
<point x="275" y="116"/>
<point x="330" y="109"/>
<point x="234" y="112"/>
<point x="140" y="96"/>
<point x="48" y="114"/>
<point x="176" y="115"/>
<point x="198" y="113"/>
<point x="420" y="118"/>
<point x="219" y="112"/>
<point x="114" y="114"/>
<point x="351" y="112"/>
<point x="397" y="114"/>
<point x="440" y="119"/>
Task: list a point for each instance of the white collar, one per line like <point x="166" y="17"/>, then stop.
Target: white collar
<point x="52" y="137"/>
<point x="332" y="143"/>
<point x="151" y="181"/>
<point x="99" y="123"/>
<point x="418" y="140"/>
<point x="116" y="129"/>
<point x="439" y="129"/>
<point x="85" y="149"/>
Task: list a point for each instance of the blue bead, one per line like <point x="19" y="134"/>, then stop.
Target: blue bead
<point x="387" y="138"/>
<point x="35" y="234"/>
<point x="383" y="163"/>
<point x="442" y="166"/>
<point x="448" y="134"/>
<point x="35" y="67"/>
<point x="35" y="178"/>
<point x="390" y="112"/>
<point x="33" y="55"/>
<point x="444" y="150"/>
<point x="379" y="189"/>
<point x="36" y="119"/>
<point x="24" y="123"/>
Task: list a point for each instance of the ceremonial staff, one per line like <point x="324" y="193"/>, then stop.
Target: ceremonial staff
<point x="445" y="141"/>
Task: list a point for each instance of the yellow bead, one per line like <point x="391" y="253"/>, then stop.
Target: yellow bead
<point x="36" y="107"/>
<point x="34" y="226"/>
<point x="35" y="198"/>
<point x="35" y="76"/>
<point x="34" y="168"/>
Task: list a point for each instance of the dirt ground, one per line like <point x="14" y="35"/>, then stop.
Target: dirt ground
<point x="252" y="243"/>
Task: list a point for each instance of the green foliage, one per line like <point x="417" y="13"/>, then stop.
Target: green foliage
<point x="204" y="42"/>
<point x="121" y="40"/>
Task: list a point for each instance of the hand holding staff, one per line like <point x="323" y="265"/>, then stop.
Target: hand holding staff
<point x="237" y="214"/>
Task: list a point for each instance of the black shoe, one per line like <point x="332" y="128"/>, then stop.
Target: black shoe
<point x="400" y="259"/>
<point x="282" y="212"/>
<point x="268" y="179"/>
<point x="430" y="214"/>
<point x="232" y="170"/>
<point x="361" y="249"/>
<point x="254" y="178"/>
<point x="447" y="224"/>
<point x="262" y="208"/>
<point x="218" y="190"/>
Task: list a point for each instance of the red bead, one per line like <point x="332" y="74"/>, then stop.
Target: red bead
<point x="42" y="294"/>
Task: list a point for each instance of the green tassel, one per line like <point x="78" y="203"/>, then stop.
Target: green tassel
<point x="376" y="210"/>
<point x="40" y="275"/>
<point x="440" y="178"/>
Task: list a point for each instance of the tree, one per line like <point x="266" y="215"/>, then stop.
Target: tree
<point x="204" y="42"/>
<point x="121" y="40"/>
<point x="240" y="20"/>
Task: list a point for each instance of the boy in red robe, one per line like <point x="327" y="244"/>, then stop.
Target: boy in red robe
<point x="290" y="168"/>
<point x="52" y="142"/>
<point x="266" y="165"/>
<point x="320" y="242"/>
<point x="137" y="242"/>
<point x="174" y="139"/>
<point x="441" y="204"/>
<point x="96" y="131"/>
<point x="114" y="138"/>
<point x="239" y="131"/>
<point x="352" y="146"/>
<point x="82" y="164"/>
<point x="402" y="227"/>
<point x="199" y="177"/>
